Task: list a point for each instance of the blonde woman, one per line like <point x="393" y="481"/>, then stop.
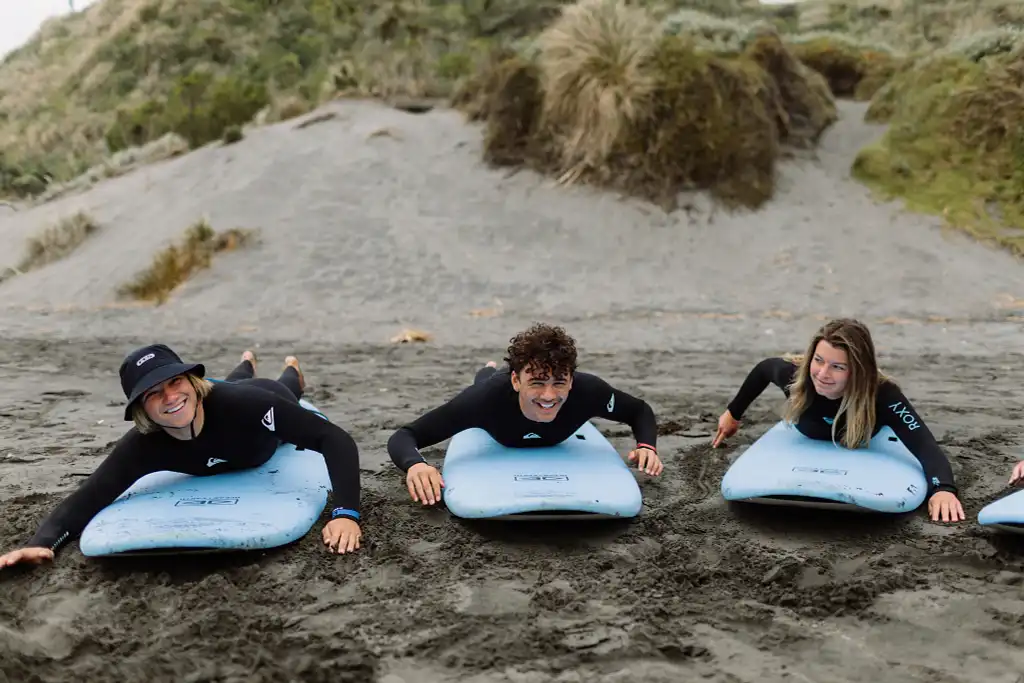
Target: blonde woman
<point x="185" y="423"/>
<point x="836" y="392"/>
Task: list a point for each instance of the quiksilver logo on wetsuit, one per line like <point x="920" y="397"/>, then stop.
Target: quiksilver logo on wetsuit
<point x="268" y="420"/>
<point x="214" y="461"/>
<point x="904" y="414"/>
<point x="611" y="403"/>
<point x="531" y="435"/>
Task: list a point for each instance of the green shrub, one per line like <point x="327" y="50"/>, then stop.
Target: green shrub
<point x="232" y="134"/>
<point x="955" y="146"/>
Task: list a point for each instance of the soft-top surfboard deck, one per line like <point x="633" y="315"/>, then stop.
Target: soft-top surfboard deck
<point x="784" y="467"/>
<point x="170" y="513"/>
<point x="1005" y="514"/>
<point x="582" y="477"/>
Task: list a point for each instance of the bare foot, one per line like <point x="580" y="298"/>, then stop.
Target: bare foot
<point x="491" y="364"/>
<point x="293" y="362"/>
<point x="251" y="357"/>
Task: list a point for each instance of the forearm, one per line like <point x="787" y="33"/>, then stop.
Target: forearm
<point x="901" y="416"/>
<point x="73" y="514"/>
<point x="644" y="425"/>
<point x="403" y="450"/>
<point x="342" y="459"/>
<point x="768" y="371"/>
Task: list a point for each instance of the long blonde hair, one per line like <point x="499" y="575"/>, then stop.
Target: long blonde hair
<point x="145" y="425"/>
<point x="858" y="402"/>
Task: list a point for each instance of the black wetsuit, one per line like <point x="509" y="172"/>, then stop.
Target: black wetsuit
<point x="492" y="404"/>
<point x="245" y="420"/>
<point x="892" y="409"/>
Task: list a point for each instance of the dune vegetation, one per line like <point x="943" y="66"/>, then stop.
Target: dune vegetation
<point x="174" y="264"/>
<point x="673" y="94"/>
<point x="608" y="94"/>
<point x="955" y="142"/>
<point x="53" y="243"/>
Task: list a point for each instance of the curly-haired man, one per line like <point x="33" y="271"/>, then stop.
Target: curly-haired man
<point x="524" y="405"/>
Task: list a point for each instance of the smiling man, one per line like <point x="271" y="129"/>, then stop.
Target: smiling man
<point x="538" y="400"/>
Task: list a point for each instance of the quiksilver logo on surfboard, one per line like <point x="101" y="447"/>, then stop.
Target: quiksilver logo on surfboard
<point x="268" y="419"/>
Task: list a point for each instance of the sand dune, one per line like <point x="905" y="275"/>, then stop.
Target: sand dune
<point x="409" y="228"/>
<point x="364" y="234"/>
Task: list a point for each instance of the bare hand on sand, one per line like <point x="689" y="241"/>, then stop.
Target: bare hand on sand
<point x="646" y="460"/>
<point x="424" y="483"/>
<point x="727" y="426"/>
<point x="32" y="555"/>
<point x="944" y="506"/>
<point x="342" y="535"/>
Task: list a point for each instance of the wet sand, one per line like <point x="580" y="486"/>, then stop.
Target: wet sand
<point x="377" y="234"/>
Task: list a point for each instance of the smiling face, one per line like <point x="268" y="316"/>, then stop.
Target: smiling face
<point x="541" y="395"/>
<point x="172" y="403"/>
<point x="829" y="370"/>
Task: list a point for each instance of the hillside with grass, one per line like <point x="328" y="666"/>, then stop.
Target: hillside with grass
<point x="126" y="73"/>
<point x="127" y="82"/>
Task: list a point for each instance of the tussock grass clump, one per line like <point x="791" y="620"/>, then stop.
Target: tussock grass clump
<point x="807" y="106"/>
<point x="852" y="69"/>
<point x="54" y="243"/>
<point x="512" y="109"/>
<point x="955" y="146"/>
<point x="176" y="263"/>
<point x="232" y="134"/>
<point x="613" y="100"/>
<point x="714" y="126"/>
<point x="594" y="78"/>
<point x="932" y="77"/>
<point x="474" y="94"/>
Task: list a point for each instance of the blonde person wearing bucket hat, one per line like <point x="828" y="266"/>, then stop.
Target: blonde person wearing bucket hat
<point x="186" y="423"/>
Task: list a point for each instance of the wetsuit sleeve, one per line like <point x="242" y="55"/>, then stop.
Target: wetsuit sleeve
<point x="435" y="426"/>
<point x="777" y="371"/>
<point x="295" y="425"/>
<point x="614" y="404"/>
<point x="125" y="465"/>
<point x="896" y="411"/>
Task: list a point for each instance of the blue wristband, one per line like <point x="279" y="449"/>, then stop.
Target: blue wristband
<point x="343" y="512"/>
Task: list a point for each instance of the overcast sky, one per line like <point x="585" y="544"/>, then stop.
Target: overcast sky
<point x="19" y="19"/>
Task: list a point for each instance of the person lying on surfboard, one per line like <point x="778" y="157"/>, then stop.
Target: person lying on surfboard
<point x="836" y="390"/>
<point x="185" y="423"/>
<point x="538" y="400"/>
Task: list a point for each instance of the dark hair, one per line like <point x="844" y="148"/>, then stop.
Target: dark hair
<point x="542" y="349"/>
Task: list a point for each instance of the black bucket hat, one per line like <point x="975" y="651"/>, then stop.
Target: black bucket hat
<point x="144" y="368"/>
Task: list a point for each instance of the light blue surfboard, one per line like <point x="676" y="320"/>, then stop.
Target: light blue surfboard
<point x="784" y="467"/>
<point x="1005" y="514"/>
<point x="582" y="477"/>
<point x="171" y="513"/>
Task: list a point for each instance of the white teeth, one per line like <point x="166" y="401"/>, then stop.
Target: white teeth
<point x="176" y="408"/>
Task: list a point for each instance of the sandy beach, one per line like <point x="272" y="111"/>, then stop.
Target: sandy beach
<point x="364" y="233"/>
